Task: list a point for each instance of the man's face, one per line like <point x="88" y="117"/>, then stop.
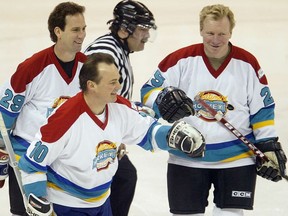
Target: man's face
<point x="137" y="40"/>
<point x="72" y="37"/>
<point x="216" y="35"/>
<point x="107" y="88"/>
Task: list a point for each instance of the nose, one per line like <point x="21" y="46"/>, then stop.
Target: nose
<point x="118" y="85"/>
<point x="148" y="34"/>
<point x="216" y="38"/>
<point x="82" y="34"/>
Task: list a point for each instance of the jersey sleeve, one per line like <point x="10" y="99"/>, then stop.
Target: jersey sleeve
<point x="49" y="142"/>
<point x="15" y="93"/>
<point x="21" y="87"/>
<point x="167" y="74"/>
<point x="143" y="130"/>
<point x="35" y="163"/>
<point x="262" y="107"/>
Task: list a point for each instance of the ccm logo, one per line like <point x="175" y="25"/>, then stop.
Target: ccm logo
<point x="241" y="194"/>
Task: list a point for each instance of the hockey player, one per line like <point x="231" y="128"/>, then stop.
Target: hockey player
<point x="27" y="97"/>
<point x="73" y="158"/>
<point x="131" y="28"/>
<point x="232" y="82"/>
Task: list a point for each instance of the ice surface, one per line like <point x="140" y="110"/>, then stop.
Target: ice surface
<point x="261" y="28"/>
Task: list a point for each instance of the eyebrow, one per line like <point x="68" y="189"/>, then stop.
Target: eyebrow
<point x="114" y="79"/>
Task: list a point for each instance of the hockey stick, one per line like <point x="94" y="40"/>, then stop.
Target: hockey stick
<point x="220" y="118"/>
<point x="13" y="161"/>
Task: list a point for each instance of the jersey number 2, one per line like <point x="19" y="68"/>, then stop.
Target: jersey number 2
<point x="268" y="99"/>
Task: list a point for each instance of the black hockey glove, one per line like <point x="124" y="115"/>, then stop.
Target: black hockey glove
<point x="38" y="206"/>
<point x="275" y="168"/>
<point x="187" y="139"/>
<point x="173" y="104"/>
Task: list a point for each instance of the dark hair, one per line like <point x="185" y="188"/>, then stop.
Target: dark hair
<point x="57" y="17"/>
<point x="90" y="71"/>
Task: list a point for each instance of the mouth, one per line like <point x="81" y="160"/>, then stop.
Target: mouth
<point x="215" y="46"/>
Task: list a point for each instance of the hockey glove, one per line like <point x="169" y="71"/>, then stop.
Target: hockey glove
<point x="187" y="139"/>
<point x="173" y="104"/>
<point x="276" y="166"/>
<point x="4" y="159"/>
<point x="38" y="206"/>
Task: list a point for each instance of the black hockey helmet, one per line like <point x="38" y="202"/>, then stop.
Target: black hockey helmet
<point x="128" y="14"/>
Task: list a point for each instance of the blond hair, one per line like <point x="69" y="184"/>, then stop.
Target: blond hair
<point x="216" y="12"/>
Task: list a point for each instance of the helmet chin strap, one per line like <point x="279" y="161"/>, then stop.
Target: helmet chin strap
<point x="125" y="43"/>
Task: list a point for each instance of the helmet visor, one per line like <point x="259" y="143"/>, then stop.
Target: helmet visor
<point x="150" y="29"/>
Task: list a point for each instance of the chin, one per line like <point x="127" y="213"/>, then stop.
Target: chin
<point x="78" y="47"/>
<point x="142" y="47"/>
<point x="113" y="98"/>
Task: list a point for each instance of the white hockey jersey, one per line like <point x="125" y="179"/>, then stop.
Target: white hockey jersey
<point x="26" y="99"/>
<point x="238" y="89"/>
<point x="75" y="152"/>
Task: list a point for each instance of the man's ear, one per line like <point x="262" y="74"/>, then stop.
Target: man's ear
<point x="122" y="33"/>
<point x="91" y="84"/>
<point x="58" y="32"/>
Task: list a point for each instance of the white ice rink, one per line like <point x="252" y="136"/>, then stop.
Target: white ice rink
<point x="261" y="28"/>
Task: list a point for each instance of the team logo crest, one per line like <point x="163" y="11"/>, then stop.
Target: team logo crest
<point x="57" y="102"/>
<point x="214" y="99"/>
<point x="105" y="155"/>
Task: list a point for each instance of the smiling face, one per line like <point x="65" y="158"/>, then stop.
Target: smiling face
<point x="136" y="41"/>
<point x="71" y="39"/>
<point x="216" y="35"/>
<point x="108" y="86"/>
<point x="102" y="84"/>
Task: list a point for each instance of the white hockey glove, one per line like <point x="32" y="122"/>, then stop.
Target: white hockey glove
<point x="187" y="139"/>
<point x="4" y="160"/>
<point x="174" y="104"/>
<point x="38" y="206"/>
<point x="275" y="168"/>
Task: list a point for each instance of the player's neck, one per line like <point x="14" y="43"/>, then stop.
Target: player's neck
<point x="95" y="105"/>
<point x="62" y="54"/>
<point x="217" y="61"/>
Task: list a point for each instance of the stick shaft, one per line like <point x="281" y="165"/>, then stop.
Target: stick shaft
<point x="12" y="158"/>
<point x="219" y="117"/>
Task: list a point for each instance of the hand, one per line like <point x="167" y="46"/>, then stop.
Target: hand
<point x="121" y="151"/>
<point x="187" y="139"/>
<point x="4" y="160"/>
<point x="173" y="104"/>
<point x="38" y="206"/>
<point x="275" y="168"/>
